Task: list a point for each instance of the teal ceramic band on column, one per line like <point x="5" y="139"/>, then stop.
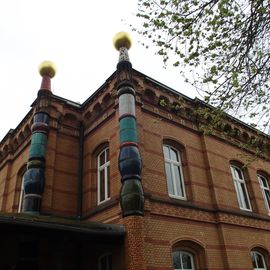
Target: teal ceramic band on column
<point x="38" y="145"/>
<point x="128" y="130"/>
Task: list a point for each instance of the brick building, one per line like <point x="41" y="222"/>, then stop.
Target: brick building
<point x="128" y="181"/>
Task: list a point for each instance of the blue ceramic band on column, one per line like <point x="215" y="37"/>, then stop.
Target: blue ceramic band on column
<point x="130" y="163"/>
<point x="41" y="117"/>
<point x="34" y="181"/>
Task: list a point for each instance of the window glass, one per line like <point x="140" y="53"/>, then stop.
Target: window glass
<point x="20" y="207"/>
<point x="166" y="152"/>
<point x="238" y="173"/>
<point x="105" y="262"/>
<point x="267" y="194"/>
<point x="102" y="158"/>
<point x="264" y="182"/>
<point x="176" y="261"/>
<point x="183" y="261"/>
<point x="102" y="185"/>
<point x="246" y="199"/>
<point x="253" y="260"/>
<point x="238" y="192"/>
<point x="169" y="178"/>
<point x="258" y="261"/>
<point x="173" y="154"/>
<point x="103" y="177"/>
<point x="108" y="181"/>
<point x="186" y="261"/>
<point x="265" y="191"/>
<point x="178" y="182"/>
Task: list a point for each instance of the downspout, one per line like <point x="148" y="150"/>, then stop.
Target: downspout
<point x="80" y="172"/>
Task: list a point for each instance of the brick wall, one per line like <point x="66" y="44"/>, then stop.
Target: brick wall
<point x="209" y="224"/>
<point x="210" y="216"/>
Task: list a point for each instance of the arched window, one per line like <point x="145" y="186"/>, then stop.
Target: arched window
<point x="183" y="260"/>
<point x="174" y="172"/>
<point x="241" y="188"/>
<point x="105" y="262"/>
<point x="265" y="191"/>
<point x="258" y="261"/>
<point x="20" y="207"/>
<point x="103" y="176"/>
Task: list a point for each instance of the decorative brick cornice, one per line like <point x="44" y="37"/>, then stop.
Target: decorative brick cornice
<point x="177" y="209"/>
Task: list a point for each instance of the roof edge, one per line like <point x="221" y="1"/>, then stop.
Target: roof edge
<point x="63" y="224"/>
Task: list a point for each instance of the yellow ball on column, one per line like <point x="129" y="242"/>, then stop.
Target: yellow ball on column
<point x="47" y="68"/>
<point x="122" y="39"/>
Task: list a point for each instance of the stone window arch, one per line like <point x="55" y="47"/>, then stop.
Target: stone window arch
<point x="188" y="255"/>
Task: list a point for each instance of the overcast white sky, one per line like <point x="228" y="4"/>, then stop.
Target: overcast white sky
<point x="77" y="37"/>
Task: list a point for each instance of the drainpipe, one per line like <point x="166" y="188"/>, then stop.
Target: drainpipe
<point x="80" y="172"/>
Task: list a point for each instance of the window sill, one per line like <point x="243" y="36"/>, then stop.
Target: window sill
<point x="245" y="209"/>
<point x="106" y="200"/>
<point x="178" y="197"/>
<point x="113" y="201"/>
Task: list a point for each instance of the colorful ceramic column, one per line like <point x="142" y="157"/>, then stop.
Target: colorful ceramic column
<point x="34" y="177"/>
<point x="130" y="163"/>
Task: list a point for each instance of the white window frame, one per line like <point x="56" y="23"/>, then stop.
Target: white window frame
<point x="252" y="253"/>
<point x="241" y="188"/>
<point x="20" y="206"/>
<point x="104" y="167"/>
<point x="173" y="163"/>
<point x="107" y="256"/>
<point x="181" y="253"/>
<point x="264" y="189"/>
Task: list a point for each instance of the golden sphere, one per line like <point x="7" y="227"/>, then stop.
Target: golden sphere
<point x="47" y="68"/>
<point x="122" y="39"/>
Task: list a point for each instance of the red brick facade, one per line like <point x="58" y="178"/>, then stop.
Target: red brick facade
<point x="208" y="224"/>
